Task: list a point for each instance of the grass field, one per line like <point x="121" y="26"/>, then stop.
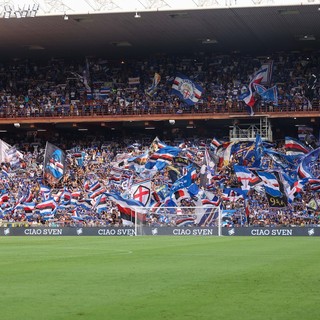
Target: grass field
<point x="159" y="278"/>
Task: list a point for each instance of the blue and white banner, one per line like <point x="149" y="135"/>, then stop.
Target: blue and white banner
<point x="186" y="89"/>
<point x="54" y="163"/>
<point x="266" y="73"/>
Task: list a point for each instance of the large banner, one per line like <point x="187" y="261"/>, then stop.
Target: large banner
<point x="186" y="89"/>
<point x="280" y="232"/>
<point x="54" y="164"/>
<point x="158" y="231"/>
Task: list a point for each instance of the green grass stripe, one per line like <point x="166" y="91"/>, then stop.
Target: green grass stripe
<point x="159" y="278"/>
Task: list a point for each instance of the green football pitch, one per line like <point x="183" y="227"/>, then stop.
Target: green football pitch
<point x="159" y="278"/>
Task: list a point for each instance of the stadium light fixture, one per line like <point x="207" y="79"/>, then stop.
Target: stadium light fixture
<point x="25" y="12"/>
<point x="7" y="12"/>
<point x="209" y="41"/>
<point x="18" y="14"/>
<point x="34" y="11"/>
<point x="137" y="15"/>
<point x="307" y="37"/>
<point x="65" y="17"/>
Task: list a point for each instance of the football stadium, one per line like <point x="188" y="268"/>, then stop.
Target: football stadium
<point x="160" y="159"/>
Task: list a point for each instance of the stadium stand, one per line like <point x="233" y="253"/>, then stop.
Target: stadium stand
<point x="74" y="149"/>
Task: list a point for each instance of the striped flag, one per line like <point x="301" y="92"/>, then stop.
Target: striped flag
<point x="129" y="209"/>
<point x="308" y="165"/>
<point x="186" y="89"/>
<point x="249" y="99"/>
<point x="244" y="176"/>
<point x="134" y="80"/>
<point x="295" y="147"/>
<point x="48" y="206"/>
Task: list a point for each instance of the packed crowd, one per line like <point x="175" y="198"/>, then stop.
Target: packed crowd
<point x="189" y="182"/>
<point x="100" y="87"/>
<point x="195" y="178"/>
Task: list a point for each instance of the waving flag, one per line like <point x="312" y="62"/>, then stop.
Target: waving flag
<point x="97" y="192"/>
<point x="94" y="186"/>
<point x="311" y="86"/>
<point x="100" y="204"/>
<point x="268" y="95"/>
<point x="186" y="89"/>
<point x="244" y="176"/>
<point x="269" y="179"/>
<point x="297" y="187"/>
<point x="54" y="163"/>
<point x="4" y="198"/>
<point x="27" y="207"/>
<point x="75" y="215"/>
<point x="180" y="195"/>
<point x="185" y="221"/>
<point x="48" y="206"/>
<point x="233" y="194"/>
<point x="249" y="99"/>
<point x="266" y="72"/>
<point x="260" y="89"/>
<point x="295" y="147"/>
<point x="214" y="203"/>
<point x="79" y="158"/>
<point x="141" y="192"/>
<point x="140" y="159"/>
<point x="276" y="198"/>
<point x="307" y="164"/>
<point x="82" y="79"/>
<point x="13" y="157"/>
<point x="314" y="184"/>
<point x="166" y="153"/>
<point x="134" y="81"/>
<point x="215" y="144"/>
<point x="7" y="152"/>
<point x="156" y="80"/>
<point x="258" y="151"/>
<point x="185" y="181"/>
<point x="162" y="157"/>
<point x="129" y="209"/>
<point x="274" y="189"/>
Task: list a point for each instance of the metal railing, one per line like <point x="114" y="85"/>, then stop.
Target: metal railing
<point x="103" y="110"/>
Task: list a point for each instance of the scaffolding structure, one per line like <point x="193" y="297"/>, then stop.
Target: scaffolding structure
<point x="248" y="132"/>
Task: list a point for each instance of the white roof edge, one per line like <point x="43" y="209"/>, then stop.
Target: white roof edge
<point x="80" y="7"/>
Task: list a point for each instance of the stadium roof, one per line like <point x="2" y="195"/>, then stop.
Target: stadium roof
<point x="121" y="34"/>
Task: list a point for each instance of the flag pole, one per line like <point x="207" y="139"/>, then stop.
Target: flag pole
<point x="219" y="222"/>
<point x="44" y="163"/>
